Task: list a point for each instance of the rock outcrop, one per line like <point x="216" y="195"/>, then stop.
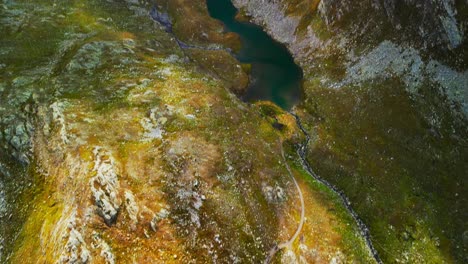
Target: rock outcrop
<point x="105" y="186"/>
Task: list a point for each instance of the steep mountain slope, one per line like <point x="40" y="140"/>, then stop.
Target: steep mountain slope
<point x="386" y="93"/>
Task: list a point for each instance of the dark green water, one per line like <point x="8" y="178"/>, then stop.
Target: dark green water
<point x="274" y="76"/>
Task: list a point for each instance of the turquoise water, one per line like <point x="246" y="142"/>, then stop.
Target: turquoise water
<point x="274" y="76"/>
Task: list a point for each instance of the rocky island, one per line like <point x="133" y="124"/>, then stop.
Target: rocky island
<point x="243" y="131"/>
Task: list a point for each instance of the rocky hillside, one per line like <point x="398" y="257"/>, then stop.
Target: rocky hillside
<point x="122" y="141"/>
<point x="386" y="104"/>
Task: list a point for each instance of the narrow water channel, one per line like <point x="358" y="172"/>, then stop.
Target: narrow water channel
<point x="274" y="75"/>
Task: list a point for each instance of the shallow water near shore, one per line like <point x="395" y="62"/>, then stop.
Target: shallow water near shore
<point x="274" y="75"/>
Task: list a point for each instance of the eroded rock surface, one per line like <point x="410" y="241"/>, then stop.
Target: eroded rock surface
<point x="105" y="186"/>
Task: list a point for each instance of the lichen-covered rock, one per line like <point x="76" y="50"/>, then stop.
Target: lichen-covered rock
<point x="75" y="251"/>
<point x="132" y="208"/>
<point x="154" y="124"/>
<point x="106" y="251"/>
<point x="105" y="186"/>
<point x="273" y="194"/>
<point x="162" y="214"/>
<point x="59" y="119"/>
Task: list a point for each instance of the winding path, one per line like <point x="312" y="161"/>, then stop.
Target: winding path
<point x="288" y="243"/>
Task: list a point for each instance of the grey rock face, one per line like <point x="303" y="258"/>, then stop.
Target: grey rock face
<point x="162" y="18"/>
<point x="432" y="23"/>
<point x="389" y="60"/>
<point x="395" y="39"/>
<point x="333" y="11"/>
<point x="429" y="24"/>
<point x="16" y="136"/>
<point x="435" y="22"/>
<point x="3" y="204"/>
<point x="271" y="15"/>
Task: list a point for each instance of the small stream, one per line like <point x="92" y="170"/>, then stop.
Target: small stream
<point x="274" y="76"/>
<point x="363" y="229"/>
